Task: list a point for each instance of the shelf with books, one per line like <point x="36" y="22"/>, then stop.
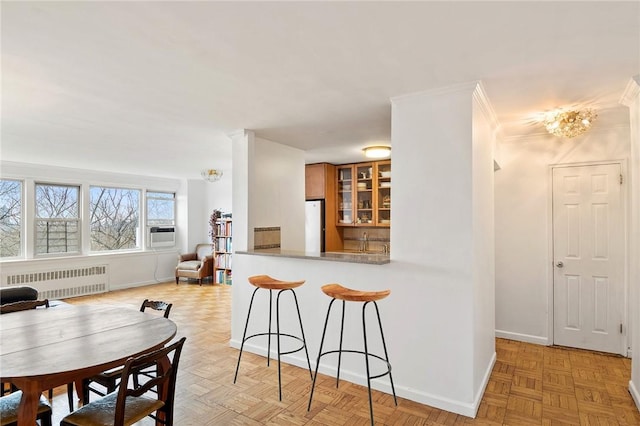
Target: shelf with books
<point x="224" y="251"/>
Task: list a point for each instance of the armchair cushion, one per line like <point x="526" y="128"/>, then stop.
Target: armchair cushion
<point x="190" y="265"/>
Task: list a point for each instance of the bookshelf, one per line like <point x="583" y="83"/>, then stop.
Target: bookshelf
<point x="223" y="253"/>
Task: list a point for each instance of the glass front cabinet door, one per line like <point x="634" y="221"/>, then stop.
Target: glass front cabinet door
<point x="345" y="195"/>
<point x="364" y="195"/>
<point x="383" y="190"/>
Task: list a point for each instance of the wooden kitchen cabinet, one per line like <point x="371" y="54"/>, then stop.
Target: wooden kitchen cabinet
<point x="318" y="179"/>
<point x="383" y="193"/>
<point x="364" y="194"/>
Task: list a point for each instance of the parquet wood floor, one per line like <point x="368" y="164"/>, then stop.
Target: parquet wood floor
<point x="529" y="385"/>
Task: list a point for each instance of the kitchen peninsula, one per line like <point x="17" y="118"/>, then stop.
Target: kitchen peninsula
<point x="359" y="257"/>
<point x="440" y="268"/>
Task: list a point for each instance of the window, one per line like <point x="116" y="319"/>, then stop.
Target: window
<point x="57" y="219"/>
<point x="10" y="218"/>
<point x="160" y="208"/>
<point x="114" y="217"/>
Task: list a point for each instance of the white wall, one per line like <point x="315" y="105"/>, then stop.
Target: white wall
<point x="268" y="190"/>
<point x="202" y="198"/>
<point x="431" y="318"/>
<point x="483" y="154"/>
<point x="631" y="98"/>
<point x="523" y="224"/>
<point x="278" y="197"/>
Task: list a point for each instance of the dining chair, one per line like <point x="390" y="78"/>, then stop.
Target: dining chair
<point x="9" y="410"/>
<point x="109" y="379"/>
<point x="132" y="403"/>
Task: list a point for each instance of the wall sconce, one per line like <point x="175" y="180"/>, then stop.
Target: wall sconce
<point x="377" y="151"/>
<point x="569" y="124"/>
<point x="211" y="175"/>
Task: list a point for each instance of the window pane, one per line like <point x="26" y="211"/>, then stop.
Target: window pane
<point x="160" y="208"/>
<point x="57" y="236"/>
<point x="57" y="219"/>
<point x="57" y="201"/>
<point x="114" y="217"/>
<point x="10" y="217"/>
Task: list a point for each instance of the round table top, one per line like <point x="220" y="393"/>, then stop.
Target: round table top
<point x="66" y="340"/>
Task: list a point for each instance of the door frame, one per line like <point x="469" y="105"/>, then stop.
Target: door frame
<point x="625" y="348"/>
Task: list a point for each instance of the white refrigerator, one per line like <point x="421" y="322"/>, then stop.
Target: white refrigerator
<point x="314" y="226"/>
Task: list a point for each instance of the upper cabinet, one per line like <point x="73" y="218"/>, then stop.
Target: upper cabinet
<point x="364" y="194"/>
<point x="319" y="181"/>
<point x="383" y="193"/>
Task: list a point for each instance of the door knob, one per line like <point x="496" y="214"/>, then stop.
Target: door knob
<point x="559" y="264"/>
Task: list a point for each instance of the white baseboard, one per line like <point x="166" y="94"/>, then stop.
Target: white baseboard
<point x="454" y="406"/>
<point x="634" y="393"/>
<point x="123" y="286"/>
<point x="483" y="386"/>
<point x="528" y="338"/>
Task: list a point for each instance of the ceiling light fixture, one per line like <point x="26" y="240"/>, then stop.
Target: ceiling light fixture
<point x="569" y="124"/>
<point x="377" y="151"/>
<point x="211" y="175"/>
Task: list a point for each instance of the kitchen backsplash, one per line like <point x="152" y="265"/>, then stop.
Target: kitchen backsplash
<point x="377" y="239"/>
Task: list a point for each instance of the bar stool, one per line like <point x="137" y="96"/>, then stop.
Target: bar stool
<point x="338" y="292"/>
<point x="268" y="283"/>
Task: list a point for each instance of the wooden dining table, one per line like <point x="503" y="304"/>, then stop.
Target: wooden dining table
<point x="44" y="348"/>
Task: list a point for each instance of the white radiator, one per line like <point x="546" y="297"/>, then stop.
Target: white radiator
<point x="62" y="283"/>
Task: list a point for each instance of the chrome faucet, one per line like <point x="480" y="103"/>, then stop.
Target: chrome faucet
<point x="365" y="242"/>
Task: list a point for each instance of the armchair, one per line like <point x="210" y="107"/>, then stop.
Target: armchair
<point x="196" y="265"/>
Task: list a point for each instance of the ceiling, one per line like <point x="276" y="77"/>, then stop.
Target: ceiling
<point x="153" y="88"/>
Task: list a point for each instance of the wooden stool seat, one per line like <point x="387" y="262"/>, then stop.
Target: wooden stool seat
<point x="342" y="293"/>
<point x="265" y="281"/>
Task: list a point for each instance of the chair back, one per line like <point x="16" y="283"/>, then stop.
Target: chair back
<point x="157" y="305"/>
<point x="23" y="305"/>
<point x="165" y="380"/>
<point x="203" y="250"/>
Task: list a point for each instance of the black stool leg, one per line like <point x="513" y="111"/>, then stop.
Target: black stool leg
<point x="340" y="348"/>
<point x="386" y="355"/>
<point x="366" y="359"/>
<point x="244" y="335"/>
<point x="315" y="376"/>
<point x="269" y="335"/>
<point x="304" y="340"/>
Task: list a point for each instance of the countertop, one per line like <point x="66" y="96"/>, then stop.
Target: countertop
<point x="351" y="257"/>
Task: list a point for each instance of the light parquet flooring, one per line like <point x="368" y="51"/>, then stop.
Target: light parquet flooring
<point x="529" y="385"/>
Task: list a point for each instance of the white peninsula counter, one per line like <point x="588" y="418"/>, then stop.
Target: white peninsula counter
<point x="351" y="257"/>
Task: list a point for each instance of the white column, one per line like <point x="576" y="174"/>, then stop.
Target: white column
<point x="631" y="98"/>
<point x="242" y="152"/>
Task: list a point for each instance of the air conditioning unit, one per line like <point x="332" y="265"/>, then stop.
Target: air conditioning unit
<point x="162" y="236"/>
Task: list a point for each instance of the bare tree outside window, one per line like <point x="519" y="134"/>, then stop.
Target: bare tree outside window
<point x="10" y="217"/>
<point x="114" y="215"/>
<point x="57" y="219"/>
<point x="160" y="208"/>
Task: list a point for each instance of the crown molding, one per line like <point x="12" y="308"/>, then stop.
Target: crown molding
<point x="240" y="133"/>
<point x="480" y="95"/>
<point x="631" y="92"/>
<point x="462" y="87"/>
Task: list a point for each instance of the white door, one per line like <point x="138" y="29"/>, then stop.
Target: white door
<point x="588" y="248"/>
